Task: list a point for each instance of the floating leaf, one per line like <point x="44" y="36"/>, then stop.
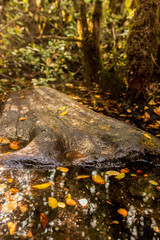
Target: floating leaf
<point x="61" y="204"/>
<point x="3" y="186"/>
<point x="147" y="136"/>
<point x="82" y="177"/>
<point x="12" y="227"/>
<point x="52" y="202"/>
<point x="153" y="183"/>
<point x="133" y="175"/>
<point x="14" y="145"/>
<point x="62" y="169"/>
<point x="114" y="222"/>
<point x="63" y="113"/>
<point x="124" y="170"/>
<point x="62" y="108"/>
<point x="112" y="173"/>
<point x="43" y="185"/>
<point x="120" y="176"/>
<point x="83" y="202"/>
<point x="10" y="206"/>
<point x="22" y="118"/>
<point x="109" y="202"/>
<point x="14" y="190"/>
<point x="43" y="220"/>
<point x="122" y="211"/>
<point x="70" y="202"/>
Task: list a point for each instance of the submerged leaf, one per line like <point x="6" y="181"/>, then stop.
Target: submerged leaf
<point x="14" y="145"/>
<point x="61" y="204"/>
<point x="12" y="227"/>
<point x="70" y="202"/>
<point x="112" y="173"/>
<point x="122" y="211"/>
<point x="82" y="177"/>
<point x="98" y="179"/>
<point x="52" y="202"/>
<point x="120" y="176"/>
<point x="62" y="169"/>
<point x="43" y="220"/>
<point x="10" y="206"/>
<point x="43" y="185"/>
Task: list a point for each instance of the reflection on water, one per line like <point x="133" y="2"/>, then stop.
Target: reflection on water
<point x="126" y="208"/>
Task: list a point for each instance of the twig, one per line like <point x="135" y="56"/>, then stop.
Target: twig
<point x="154" y="61"/>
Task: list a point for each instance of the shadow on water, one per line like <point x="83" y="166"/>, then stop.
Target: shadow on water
<point x="124" y="208"/>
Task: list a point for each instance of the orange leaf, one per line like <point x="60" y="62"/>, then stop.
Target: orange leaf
<point x="10" y="180"/>
<point x="30" y="235"/>
<point x="70" y="202"/>
<point x="98" y="179"/>
<point x="21" y="97"/>
<point x="62" y="169"/>
<point x="43" y="220"/>
<point x="8" y="196"/>
<point x="22" y="118"/>
<point x="146" y="116"/>
<point x="82" y="177"/>
<point x="4" y="140"/>
<point x="157" y="111"/>
<point x="14" y="190"/>
<point x="14" y="145"/>
<point x="23" y="208"/>
<point x="43" y="185"/>
<point x="12" y="227"/>
<point x="122" y="211"/>
<point x="125" y="170"/>
<point x="158" y="188"/>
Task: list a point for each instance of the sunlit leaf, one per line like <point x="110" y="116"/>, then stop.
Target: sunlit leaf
<point x="70" y="202"/>
<point x="112" y="173"/>
<point x="43" y="220"/>
<point x="10" y="206"/>
<point x="157" y="111"/>
<point x="152" y="102"/>
<point x="3" y="186"/>
<point x="153" y="182"/>
<point x="61" y="204"/>
<point x="122" y="211"/>
<point x="62" y="169"/>
<point x="52" y="202"/>
<point x="98" y="179"/>
<point x="43" y="185"/>
<point x="14" y="190"/>
<point x="48" y="61"/>
<point x="124" y="170"/>
<point x="14" y="145"/>
<point x="83" y="202"/>
<point x="146" y="116"/>
<point x="22" y="118"/>
<point x="30" y="235"/>
<point x="63" y="113"/>
<point x="147" y="136"/>
<point x="82" y="177"/>
<point x="12" y="227"/>
<point x="109" y="202"/>
<point x="120" y="176"/>
<point x="23" y="208"/>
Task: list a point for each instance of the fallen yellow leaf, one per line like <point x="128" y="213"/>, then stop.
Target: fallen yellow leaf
<point x="22" y="118"/>
<point x="61" y="204"/>
<point x="63" y="113"/>
<point x="82" y="177"/>
<point x="62" y="169"/>
<point x="120" y="176"/>
<point x="153" y="183"/>
<point x="43" y="185"/>
<point x="147" y="136"/>
<point x="52" y="202"/>
<point x="112" y="173"/>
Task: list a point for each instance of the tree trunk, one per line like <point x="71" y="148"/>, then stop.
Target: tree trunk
<point x="142" y="47"/>
<point x="92" y="62"/>
<point x="53" y="129"/>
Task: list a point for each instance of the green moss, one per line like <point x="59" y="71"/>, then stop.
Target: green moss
<point x="151" y="145"/>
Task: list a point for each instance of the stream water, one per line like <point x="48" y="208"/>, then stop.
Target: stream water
<point x="100" y="208"/>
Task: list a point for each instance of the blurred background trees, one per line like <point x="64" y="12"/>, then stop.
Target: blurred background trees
<point x="49" y="42"/>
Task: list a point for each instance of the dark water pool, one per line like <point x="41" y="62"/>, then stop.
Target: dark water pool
<point x="124" y="208"/>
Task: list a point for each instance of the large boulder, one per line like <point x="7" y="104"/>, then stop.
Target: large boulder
<point x="52" y="129"/>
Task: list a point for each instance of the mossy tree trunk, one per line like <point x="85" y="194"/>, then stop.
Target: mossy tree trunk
<point x="92" y="62"/>
<point x="142" y="47"/>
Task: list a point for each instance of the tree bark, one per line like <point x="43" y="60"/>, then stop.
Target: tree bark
<point x="53" y="129"/>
